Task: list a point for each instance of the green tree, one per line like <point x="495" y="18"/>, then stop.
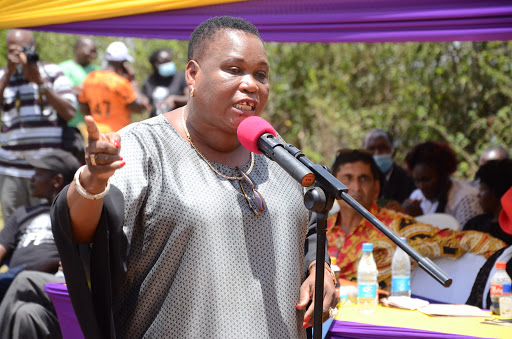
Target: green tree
<point x="327" y="96"/>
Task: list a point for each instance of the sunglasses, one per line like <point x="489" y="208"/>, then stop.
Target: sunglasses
<point x="254" y="198"/>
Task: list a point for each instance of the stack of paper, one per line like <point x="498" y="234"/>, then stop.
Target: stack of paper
<point x="436" y="309"/>
<point x="407" y="303"/>
<point x="453" y="310"/>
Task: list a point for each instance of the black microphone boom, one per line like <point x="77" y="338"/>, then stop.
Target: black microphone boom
<point x="274" y="149"/>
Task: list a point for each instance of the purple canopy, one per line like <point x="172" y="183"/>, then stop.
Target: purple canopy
<point x="354" y="330"/>
<point x="324" y="21"/>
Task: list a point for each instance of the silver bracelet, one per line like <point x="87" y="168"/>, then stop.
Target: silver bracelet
<point x="83" y="192"/>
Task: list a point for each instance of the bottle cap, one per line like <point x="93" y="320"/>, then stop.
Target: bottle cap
<point x="501" y="265"/>
<point x="367" y="247"/>
<point x="333" y="260"/>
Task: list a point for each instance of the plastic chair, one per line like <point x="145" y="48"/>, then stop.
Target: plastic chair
<point x="69" y="327"/>
<point x="462" y="270"/>
<point x="440" y="220"/>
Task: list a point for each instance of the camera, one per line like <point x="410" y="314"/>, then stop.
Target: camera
<point x="32" y="56"/>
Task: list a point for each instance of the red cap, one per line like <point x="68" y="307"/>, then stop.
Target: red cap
<point x="506" y="212"/>
<point x="250" y="130"/>
<point x="501" y="265"/>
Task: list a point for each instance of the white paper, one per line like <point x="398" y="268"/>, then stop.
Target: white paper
<point x="407" y="302"/>
<point x="453" y="310"/>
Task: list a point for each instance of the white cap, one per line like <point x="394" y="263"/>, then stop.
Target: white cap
<point x="117" y="51"/>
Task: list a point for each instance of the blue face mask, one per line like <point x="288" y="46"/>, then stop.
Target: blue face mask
<point x="384" y="161"/>
<point x="167" y="70"/>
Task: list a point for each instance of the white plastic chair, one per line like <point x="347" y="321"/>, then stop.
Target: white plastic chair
<point x="463" y="272"/>
<point x="440" y="220"/>
<point x="335" y="208"/>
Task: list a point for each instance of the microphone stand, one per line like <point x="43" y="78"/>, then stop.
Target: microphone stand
<point x="320" y="200"/>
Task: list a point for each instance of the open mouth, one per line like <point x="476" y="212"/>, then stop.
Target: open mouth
<point x="245" y="106"/>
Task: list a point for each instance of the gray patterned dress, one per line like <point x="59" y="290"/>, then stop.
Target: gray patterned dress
<point x="199" y="263"/>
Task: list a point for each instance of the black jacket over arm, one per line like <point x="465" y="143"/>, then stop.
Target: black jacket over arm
<point x="93" y="307"/>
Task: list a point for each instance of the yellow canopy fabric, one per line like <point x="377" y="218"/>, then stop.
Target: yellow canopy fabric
<point x="28" y="13"/>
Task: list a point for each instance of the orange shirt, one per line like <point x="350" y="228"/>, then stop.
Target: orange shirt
<point x="108" y="95"/>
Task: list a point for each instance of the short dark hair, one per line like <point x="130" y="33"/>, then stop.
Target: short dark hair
<point x="206" y="30"/>
<point x="378" y="132"/>
<point x="81" y="40"/>
<point x="348" y="156"/>
<point x="433" y="153"/>
<point x="497" y="174"/>
<point x="154" y="55"/>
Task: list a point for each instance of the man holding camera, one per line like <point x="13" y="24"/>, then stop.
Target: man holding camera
<point x="36" y="101"/>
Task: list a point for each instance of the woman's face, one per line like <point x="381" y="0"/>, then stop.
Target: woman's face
<point x="231" y="79"/>
<point x="428" y="180"/>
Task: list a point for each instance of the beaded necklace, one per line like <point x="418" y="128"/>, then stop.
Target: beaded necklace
<point x="204" y="158"/>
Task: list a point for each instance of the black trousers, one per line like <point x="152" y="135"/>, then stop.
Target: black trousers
<point x="26" y="311"/>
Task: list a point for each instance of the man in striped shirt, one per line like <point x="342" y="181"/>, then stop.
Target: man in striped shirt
<point x="36" y="101"/>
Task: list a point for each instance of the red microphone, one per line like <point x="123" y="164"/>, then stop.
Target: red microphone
<point x="258" y="136"/>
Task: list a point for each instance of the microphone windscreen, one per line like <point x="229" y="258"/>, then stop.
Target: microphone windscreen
<point x="250" y="130"/>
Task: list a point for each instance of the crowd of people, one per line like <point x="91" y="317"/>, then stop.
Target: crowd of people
<point x="174" y="231"/>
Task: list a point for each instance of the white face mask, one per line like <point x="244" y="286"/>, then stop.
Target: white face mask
<point x="167" y="70"/>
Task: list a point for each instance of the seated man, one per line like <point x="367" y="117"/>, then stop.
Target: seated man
<point x="347" y="230"/>
<point x="397" y="184"/>
<point x="26" y="310"/>
<point x="480" y="295"/>
<point x="27" y="238"/>
<point x="495" y="178"/>
<point x="495" y="152"/>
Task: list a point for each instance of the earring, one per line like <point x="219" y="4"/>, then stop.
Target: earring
<point x="192" y="92"/>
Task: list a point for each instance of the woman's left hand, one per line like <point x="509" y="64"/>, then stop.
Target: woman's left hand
<point x="307" y="294"/>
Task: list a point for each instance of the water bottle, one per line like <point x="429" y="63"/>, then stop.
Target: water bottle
<point x="401" y="273"/>
<point x="336" y="270"/>
<point x="367" y="281"/>
<point x="500" y="286"/>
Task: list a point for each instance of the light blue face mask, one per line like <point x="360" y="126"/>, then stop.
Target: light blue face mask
<point x="167" y="70"/>
<point x="384" y="161"/>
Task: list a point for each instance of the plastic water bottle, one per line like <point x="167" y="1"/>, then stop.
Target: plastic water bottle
<point x="500" y="286"/>
<point x="401" y="273"/>
<point x="367" y="281"/>
<point x="336" y="270"/>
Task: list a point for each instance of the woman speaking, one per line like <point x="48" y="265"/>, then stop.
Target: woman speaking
<point x="190" y="234"/>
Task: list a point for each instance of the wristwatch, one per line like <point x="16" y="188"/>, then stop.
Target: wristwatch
<point x="44" y="87"/>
